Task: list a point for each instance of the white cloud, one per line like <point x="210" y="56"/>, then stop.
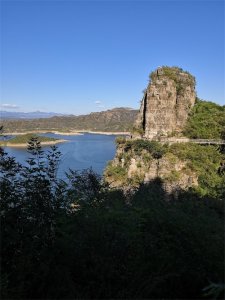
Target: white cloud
<point x="98" y="102"/>
<point x="9" y="106"/>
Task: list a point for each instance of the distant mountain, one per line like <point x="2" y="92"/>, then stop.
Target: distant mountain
<point x="29" y="115"/>
<point x="122" y="108"/>
<point x="117" y="119"/>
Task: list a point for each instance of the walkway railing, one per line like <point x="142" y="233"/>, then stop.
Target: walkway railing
<point x="196" y="141"/>
<point x="173" y="140"/>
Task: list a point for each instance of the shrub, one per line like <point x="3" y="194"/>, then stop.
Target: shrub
<point x="173" y="176"/>
<point x="205" y="162"/>
<point x="139" y="131"/>
<point x="156" y="149"/>
<point x="117" y="172"/>
<point x="120" y="140"/>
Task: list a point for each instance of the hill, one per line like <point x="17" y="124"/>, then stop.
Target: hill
<point x="117" y="119"/>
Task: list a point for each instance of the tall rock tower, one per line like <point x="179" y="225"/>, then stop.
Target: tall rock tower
<point x="166" y="103"/>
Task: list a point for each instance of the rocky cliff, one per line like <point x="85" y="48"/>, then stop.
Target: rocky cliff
<point x="179" y="166"/>
<point x="141" y="161"/>
<point x="143" y="157"/>
<point x="166" y="103"/>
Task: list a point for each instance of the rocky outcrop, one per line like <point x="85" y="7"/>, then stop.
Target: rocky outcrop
<point x="166" y="103"/>
<point x="156" y="149"/>
<point x="132" y="167"/>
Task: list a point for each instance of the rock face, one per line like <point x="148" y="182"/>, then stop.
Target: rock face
<point x="129" y="169"/>
<point x="164" y="110"/>
<point x="166" y="103"/>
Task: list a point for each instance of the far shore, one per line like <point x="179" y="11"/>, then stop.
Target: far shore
<point x="24" y="145"/>
<point x="65" y="133"/>
<point x="80" y="132"/>
<point x="44" y="131"/>
<point x="106" y="132"/>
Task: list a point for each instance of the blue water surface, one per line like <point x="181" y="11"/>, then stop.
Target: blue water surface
<point x="78" y="153"/>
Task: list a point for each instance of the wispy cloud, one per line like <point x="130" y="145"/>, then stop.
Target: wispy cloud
<point x="9" y="106"/>
<point x="99" y="104"/>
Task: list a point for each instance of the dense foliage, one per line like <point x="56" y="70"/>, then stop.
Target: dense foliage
<point x="79" y="239"/>
<point x="206" y="162"/>
<point x="206" y="121"/>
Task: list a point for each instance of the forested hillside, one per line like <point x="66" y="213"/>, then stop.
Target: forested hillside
<point x="118" y="119"/>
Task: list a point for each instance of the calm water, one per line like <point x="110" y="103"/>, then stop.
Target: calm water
<point x="80" y="152"/>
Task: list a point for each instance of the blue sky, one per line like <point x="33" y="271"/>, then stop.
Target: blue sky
<point x="83" y="56"/>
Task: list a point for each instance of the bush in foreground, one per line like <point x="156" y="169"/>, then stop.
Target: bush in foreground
<point x="78" y="239"/>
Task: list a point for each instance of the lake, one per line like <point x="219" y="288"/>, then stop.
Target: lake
<point x="78" y="153"/>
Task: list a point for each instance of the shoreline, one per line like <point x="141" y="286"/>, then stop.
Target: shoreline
<point x="44" y="131"/>
<point x="24" y="145"/>
<point x="105" y="132"/>
<point x="80" y="132"/>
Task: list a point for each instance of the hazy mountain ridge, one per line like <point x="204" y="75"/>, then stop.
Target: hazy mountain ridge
<point x="117" y="119"/>
<point x="29" y="115"/>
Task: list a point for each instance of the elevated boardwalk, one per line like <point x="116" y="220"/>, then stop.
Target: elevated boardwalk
<point x="174" y="140"/>
<point x="195" y="141"/>
<point x="208" y="142"/>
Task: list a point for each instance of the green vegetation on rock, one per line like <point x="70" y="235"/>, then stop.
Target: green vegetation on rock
<point x="205" y="161"/>
<point x="118" y="173"/>
<point x="206" y="121"/>
<point x="153" y="147"/>
<point x="202" y="160"/>
<point x="174" y="73"/>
